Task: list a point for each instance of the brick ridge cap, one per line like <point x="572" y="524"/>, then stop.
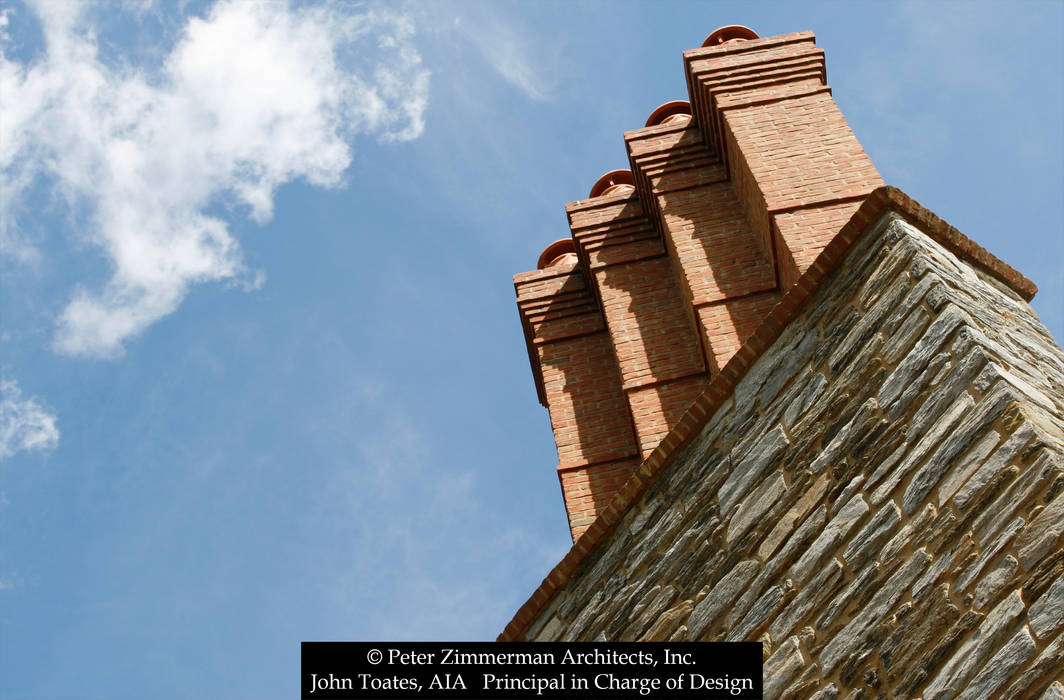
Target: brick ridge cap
<point x="601" y="202"/>
<point x="646" y="132"/>
<point x="721" y="387"/>
<point x="559" y="270"/>
<point x="748" y="46"/>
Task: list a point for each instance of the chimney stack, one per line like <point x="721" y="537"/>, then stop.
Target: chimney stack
<point x="672" y="265"/>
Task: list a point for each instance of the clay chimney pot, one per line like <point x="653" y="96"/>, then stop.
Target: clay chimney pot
<point x="732" y="32"/>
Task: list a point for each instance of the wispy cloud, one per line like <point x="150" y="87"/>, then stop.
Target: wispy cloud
<point x="252" y="96"/>
<point x="514" y="56"/>
<point x="24" y="423"/>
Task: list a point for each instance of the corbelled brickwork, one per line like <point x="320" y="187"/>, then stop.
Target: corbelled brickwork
<point x="579" y="382"/>
<point x="873" y="486"/>
<point x="729" y="200"/>
<point x="796" y="165"/>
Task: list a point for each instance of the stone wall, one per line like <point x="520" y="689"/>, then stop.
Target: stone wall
<point x="879" y="500"/>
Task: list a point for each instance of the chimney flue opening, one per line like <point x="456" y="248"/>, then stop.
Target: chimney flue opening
<point x="673" y="112"/>
<point x="732" y="32"/>
<point x="557" y="252"/>
<point x="613" y="182"/>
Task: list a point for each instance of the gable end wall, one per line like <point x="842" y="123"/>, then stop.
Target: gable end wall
<point x="880" y="501"/>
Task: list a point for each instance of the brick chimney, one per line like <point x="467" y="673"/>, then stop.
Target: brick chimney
<point x="672" y="264"/>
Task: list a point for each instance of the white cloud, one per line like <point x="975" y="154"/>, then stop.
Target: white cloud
<point x="24" y="423"/>
<point x="252" y="96"/>
<point x="514" y="56"/>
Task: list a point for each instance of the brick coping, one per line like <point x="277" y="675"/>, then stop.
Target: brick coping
<point x="878" y="202"/>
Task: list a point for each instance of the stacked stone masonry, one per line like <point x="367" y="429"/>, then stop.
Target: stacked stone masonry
<point x="879" y="499"/>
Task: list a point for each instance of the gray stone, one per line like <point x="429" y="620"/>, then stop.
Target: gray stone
<point x="806" y="682"/>
<point x="966" y="466"/>
<point x="941" y="646"/>
<point x="810" y="393"/>
<point x="680" y="635"/>
<point x="930" y="440"/>
<point x="788" y="520"/>
<point x="809" y="597"/>
<point x="752" y="510"/>
<point x="829" y="540"/>
<point x="548" y="613"/>
<point x="1000" y="667"/>
<point x="604" y="568"/>
<point x="924" y="349"/>
<point x="789" y="366"/>
<point x="856" y="636"/>
<point x="1043" y="535"/>
<point x="828" y="692"/>
<point x="772" y="568"/>
<point x="928" y="476"/>
<point x="720" y="598"/>
<point x="675" y="557"/>
<point x="900" y="342"/>
<point x="657" y="533"/>
<point x="841" y="601"/>
<point x="781" y="667"/>
<point x="749" y="467"/>
<point x="918" y="623"/>
<point x="886" y="467"/>
<point x="986" y="378"/>
<point x="843" y="498"/>
<point x="1054" y="692"/>
<point x="861" y="338"/>
<point x="965" y="577"/>
<point x="849" y="434"/>
<point x="760" y="424"/>
<point x="956" y="382"/>
<point x="648" y="610"/>
<point x="872" y="536"/>
<point x="844" y="319"/>
<point x="936" y="379"/>
<point x="966" y="432"/>
<point x="997" y="462"/>
<point x="889" y="286"/>
<point x="615" y="609"/>
<point x="900" y="540"/>
<point x="551" y="631"/>
<point x="920" y="388"/>
<point x="765" y="606"/>
<point x="1025" y="388"/>
<point x="707" y="437"/>
<point x="1045" y="468"/>
<point x="646" y="514"/>
<point x="774" y="357"/>
<point x="941" y="532"/>
<point x="586" y="616"/>
<point x="1039" y="673"/>
<point x="942" y="563"/>
<point x="988" y="588"/>
<point x="975" y="651"/>
<point x="666" y="624"/>
<point x="1047" y="613"/>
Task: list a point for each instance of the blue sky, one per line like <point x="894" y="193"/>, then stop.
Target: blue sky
<point x="262" y="375"/>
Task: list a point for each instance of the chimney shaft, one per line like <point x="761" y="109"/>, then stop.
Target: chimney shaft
<point x="729" y="200"/>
